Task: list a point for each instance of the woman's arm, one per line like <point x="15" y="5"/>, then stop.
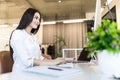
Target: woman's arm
<point x="46" y="56"/>
<point x="47" y="62"/>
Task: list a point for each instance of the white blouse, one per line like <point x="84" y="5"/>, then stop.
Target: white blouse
<point x="26" y="48"/>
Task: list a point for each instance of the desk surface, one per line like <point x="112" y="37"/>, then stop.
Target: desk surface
<point x="90" y="72"/>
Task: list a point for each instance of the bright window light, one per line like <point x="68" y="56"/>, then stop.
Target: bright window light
<point x="3" y="25"/>
<point x="109" y="1"/>
<point x="102" y="10"/>
<point x="50" y="22"/>
<point x="15" y="25"/>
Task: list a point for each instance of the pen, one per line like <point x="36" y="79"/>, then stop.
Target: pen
<point x="55" y="68"/>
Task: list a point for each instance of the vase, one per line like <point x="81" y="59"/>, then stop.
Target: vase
<point x="109" y="63"/>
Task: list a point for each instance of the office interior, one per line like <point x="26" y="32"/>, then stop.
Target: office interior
<point x="66" y="19"/>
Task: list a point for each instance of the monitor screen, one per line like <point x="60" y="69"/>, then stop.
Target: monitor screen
<point x="113" y="13"/>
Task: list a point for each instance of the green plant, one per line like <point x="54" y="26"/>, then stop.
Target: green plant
<point x="105" y="37"/>
<point x="59" y="44"/>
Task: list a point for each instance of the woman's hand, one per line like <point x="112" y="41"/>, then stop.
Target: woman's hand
<point x="50" y="62"/>
<point x="62" y="60"/>
<point x="47" y="62"/>
<point x="47" y="56"/>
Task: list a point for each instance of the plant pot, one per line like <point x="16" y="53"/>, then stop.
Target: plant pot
<point x="109" y="63"/>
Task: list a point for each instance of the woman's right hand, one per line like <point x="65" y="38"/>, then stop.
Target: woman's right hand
<point x="62" y="60"/>
<point x="52" y="62"/>
<point x="47" y="62"/>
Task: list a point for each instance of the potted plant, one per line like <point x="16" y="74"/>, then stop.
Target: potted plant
<point x="59" y="43"/>
<point x="105" y="43"/>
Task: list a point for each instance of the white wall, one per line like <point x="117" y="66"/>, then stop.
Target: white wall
<point x="118" y="12"/>
<point x="5" y="35"/>
<point x="39" y="34"/>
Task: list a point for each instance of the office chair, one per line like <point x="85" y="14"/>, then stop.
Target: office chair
<point x="5" y="62"/>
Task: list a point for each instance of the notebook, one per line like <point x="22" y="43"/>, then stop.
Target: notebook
<point x="53" y="71"/>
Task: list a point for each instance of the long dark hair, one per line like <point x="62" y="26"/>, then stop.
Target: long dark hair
<point x="24" y="22"/>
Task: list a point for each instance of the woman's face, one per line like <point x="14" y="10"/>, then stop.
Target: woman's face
<point x="36" y="20"/>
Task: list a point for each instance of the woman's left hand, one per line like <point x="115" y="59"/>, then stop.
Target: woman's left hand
<point x="62" y="60"/>
<point x="47" y="56"/>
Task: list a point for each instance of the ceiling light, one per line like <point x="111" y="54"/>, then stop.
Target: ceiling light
<point x="59" y="1"/>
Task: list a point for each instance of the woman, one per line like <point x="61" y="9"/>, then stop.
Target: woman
<point x="24" y="47"/>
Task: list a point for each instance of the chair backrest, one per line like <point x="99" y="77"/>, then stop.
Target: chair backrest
<point x="5" y="62"/>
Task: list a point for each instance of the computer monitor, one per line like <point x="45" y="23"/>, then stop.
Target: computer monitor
<point x="111" y="16"/>
<point x="97" y="18"/>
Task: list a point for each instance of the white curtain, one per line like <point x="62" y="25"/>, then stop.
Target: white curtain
<point x="74" y="34"/>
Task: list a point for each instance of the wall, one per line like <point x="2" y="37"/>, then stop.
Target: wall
<point x="118" y="12"/>
<point x="39" y="34"/>
<point x="5" y="35"/>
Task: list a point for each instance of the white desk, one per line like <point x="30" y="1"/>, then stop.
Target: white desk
<point x="88" y="74"/>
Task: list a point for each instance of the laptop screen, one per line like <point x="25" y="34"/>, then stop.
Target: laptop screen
<point x="83" y="55"/>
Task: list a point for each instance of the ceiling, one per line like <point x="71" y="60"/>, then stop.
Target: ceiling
<point x="12" y="9"/>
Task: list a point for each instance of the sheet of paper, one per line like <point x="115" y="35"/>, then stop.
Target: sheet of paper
<point x="53" y="71"/>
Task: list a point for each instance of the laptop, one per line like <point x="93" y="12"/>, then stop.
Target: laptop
<point x="83" y="57"/>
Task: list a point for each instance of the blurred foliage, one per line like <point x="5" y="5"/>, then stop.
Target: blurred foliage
<point x="105" y="37"/>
